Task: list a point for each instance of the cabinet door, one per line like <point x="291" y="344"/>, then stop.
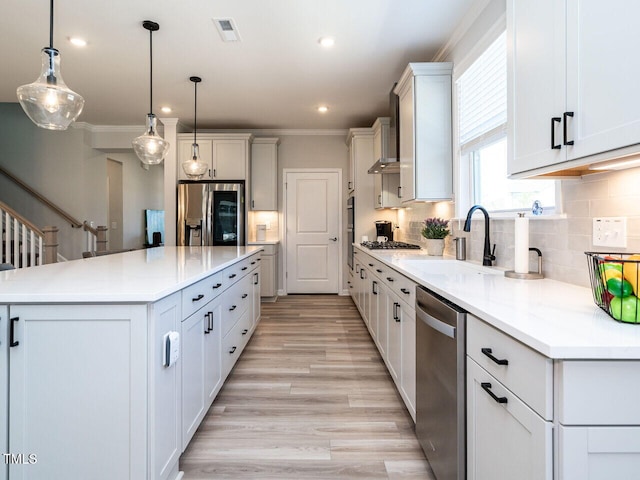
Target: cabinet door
<point x="407" y="148"/>
<point x="78" y="379"/>
<point x="599" y="453"/>
<point x="4" y="387"/>
<point x="184" y="154"/>
<point x="604" y="100"/>
<point x="264" y="169"/>
<point x="212" y="353"/>
<point x="408" y="357"/>
<point x="268" y="280"/>
<point x="377" y="191"/>
<point x="256" y="278"/>
<point x="374" y="288"/>
<point x="394" y="332"/>
<point x="351" y="185"/>
<point x="194" y="329"/>
<point x="504" y="440"/>
<point x="229" y="159"/>
<point x="536" y="82"/>
<point x="383" y="319"/>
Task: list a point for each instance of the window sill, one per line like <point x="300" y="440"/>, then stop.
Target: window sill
<point x="512" y="216"/>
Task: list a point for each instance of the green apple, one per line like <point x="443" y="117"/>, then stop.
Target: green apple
<point x="619" y="287"/>
<point x="625" y="309"/>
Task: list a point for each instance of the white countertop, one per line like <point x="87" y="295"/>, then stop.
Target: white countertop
<point x="265" y="242"/>
<point x="557" y="319"/>
<point x="140" y="276"/>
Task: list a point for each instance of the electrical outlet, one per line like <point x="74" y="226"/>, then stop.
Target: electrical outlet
<point x="610" y="232"/>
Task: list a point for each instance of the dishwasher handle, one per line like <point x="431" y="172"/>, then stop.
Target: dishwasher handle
<point x="436" y="324"/>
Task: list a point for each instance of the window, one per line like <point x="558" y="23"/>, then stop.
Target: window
<point x="482" y="131"/>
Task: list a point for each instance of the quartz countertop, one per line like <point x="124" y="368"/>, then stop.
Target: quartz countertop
<point x="265" y="242"/>
<point x="557" y="319"/>
<point x="139" y="276"/>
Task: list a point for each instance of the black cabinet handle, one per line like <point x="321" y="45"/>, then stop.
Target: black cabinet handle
<point x="257" y="278"/>
<point x="12" y="341"/>
<point x="253" y="204"/>
<point x="233" y="275"/>
<point x="564" y="127"/>
<point x="253" y="263"/>
<point x="210" y="325"/>
<point x="198" y="298"/>
<point x="486" y="386"/>
<point x="217" y="285"/>
<point x="389" y="279"/>
<point x="244" y="268"/>
<point x="488" y="352"/>
<point x="233" y="307"/>
<point x="396" y="317"/>
<point x="245" y="331"/>
<point x="405" y="291"/>
<point x="233" y="349"/>
<point x="399" y="190"/>
<point x="554" y="120"/>
<point x="378" y="270"/>
<point x="374" y="284"/>
<point x="258" y="259"/>
<point x="245" y="295"/>
<point x="371" y="264"/>
<point x="379" y="199"/>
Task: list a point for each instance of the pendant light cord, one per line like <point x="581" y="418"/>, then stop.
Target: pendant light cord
<point x="51" y="26"/>
<point x="195" y="112"/>
<point x="150" y="72"/>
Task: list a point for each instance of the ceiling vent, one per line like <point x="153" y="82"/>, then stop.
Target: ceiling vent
<point x="227" y="29"/>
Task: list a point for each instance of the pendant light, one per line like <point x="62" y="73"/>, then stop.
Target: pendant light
<point x="150" y="147"/>
<point x="194" y="168"/>
<point x="48" y="102"/>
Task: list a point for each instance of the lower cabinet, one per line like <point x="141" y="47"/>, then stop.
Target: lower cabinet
<point x="256" y="279"/>
<point x="4" y="388"/>
<point x="408" y="364"/>
<point x="505" y="438"/>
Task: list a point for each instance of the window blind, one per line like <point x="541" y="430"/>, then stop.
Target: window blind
<point x="482" y="93"/>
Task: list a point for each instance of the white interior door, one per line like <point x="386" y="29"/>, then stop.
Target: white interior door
<point x="312" y="231"/>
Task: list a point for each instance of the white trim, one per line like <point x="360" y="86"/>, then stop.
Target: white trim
<point x="511" y="215"/>
<point x="283" y="224"/>
<point x="480" y="46"/>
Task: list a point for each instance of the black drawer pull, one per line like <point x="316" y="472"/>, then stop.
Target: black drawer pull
<point x="245" y="295"/>
<point x="371" y="264"/>
<point x="232" y="350"/>
<point x="198" y="298"/>
<point x="253" y="263"/>
<point x="389" y="279"/>
<point x="396" y="317"/>
<point x="554" y="120"/>
<point x="233" y="275"/>
<point x="232" y="308"/>
<point x="245" y="331"/>
<point x="564" y="127"/>
<point x="405" y="291"/>
<point x="488" y="352"/>
<point x="244" y="268"/>
<point x="486" y="386"/>
<point x="258" y="259"/>
<point x="378" y="270"/>
<point x="12" y="341"/>
<point x="206" y="332"/>
<point x="217" y="285"/>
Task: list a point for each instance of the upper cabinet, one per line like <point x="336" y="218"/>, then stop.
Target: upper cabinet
<point x="226" y="153"/>
<point x="264" y="171"/>
<point x="567" y="107"/>
<point x="426" y="162"/>
<point x="385" y="186"/>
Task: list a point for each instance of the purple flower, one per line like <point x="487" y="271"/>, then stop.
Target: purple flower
<point x="435" y="228"/>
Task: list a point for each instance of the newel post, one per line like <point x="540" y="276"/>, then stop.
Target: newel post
<point x="50" y="246"/>
<point x="101" y="239"/>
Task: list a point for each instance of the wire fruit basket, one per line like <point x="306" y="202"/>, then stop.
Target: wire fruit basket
<point x="615" y="283"/>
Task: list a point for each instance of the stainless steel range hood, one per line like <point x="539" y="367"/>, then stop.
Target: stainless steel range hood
<point x="389" y="162"/>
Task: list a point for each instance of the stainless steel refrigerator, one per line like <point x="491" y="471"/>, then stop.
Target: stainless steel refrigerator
<point x="211" y="213"/>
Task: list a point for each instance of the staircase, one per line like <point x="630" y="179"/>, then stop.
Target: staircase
<point x="24" y="244"/>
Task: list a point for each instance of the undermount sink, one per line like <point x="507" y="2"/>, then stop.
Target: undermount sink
<point x="448" y="267"/>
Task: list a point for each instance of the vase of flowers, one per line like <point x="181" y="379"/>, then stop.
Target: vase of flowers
<point x="435" y="231"/>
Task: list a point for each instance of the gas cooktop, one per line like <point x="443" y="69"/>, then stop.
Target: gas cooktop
<point x="390" y="245"/>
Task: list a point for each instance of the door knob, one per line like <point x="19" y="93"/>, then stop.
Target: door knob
<point x="334" y="239"/>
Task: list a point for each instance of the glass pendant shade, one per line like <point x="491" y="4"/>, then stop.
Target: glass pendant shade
<point x="150" y="147"/>
<point x="48" y="102"/>
<point x="195" y="168"/>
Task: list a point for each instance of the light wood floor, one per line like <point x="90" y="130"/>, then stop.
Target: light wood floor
<point x="310" y="397"/>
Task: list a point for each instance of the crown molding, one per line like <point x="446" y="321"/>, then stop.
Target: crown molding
<point x="463" y="27"/>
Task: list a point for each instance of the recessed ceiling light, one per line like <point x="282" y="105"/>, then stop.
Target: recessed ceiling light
<point x="78" y="42"/>
<point x="323" y="109"/>
<point x="326" y="41"/>
<point x="166" y="109"/>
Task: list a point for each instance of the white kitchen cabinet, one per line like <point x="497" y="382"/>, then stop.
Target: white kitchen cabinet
<point x="212" y="353"/>
<point x="408" y="356"/>
<point x="78" y="376"/>
<point x="426" y="161"/>
<point x="385" y="186"/>
<point x="256" y="281"/>
<point x="4" y="388"/>
<point x="194" y="398"/>
<point x="373" y="286"/>
<point x="228" y="154"/>
<point x="505" y="440"/>
<point x="559" y="93"/>
<point x="264" y="171"/>
<point x="382" y="333"/>
<point x="394" y="340"/>
<point x="269" y="265"/>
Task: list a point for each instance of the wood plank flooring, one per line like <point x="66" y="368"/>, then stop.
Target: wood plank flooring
<point x="310" y="398"/>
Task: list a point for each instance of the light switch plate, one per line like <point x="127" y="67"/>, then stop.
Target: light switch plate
<point x="610" y="232"/>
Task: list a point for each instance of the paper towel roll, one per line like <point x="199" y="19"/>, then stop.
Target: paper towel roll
<point x="521" y="250"/>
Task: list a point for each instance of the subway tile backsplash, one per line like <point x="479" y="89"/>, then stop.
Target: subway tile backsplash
<point x="562" y="241"/>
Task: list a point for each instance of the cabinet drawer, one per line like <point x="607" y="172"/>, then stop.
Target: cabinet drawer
<point x="200" y="293"/>
<point x="235" y="302"/>
<point x="527" y="374"/>
<point x="404" y="288"/>
<point x="598" y="392"/>
<point x="234" y="342"/>
<point x="235" y="272"/>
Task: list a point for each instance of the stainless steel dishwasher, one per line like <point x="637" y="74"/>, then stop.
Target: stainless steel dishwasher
<point x="440" y="384"/>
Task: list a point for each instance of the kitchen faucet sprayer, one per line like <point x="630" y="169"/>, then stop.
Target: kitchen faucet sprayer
<point x="488" y="255"/>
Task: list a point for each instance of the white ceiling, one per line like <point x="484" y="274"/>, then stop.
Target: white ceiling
<point x="274" y="78"/>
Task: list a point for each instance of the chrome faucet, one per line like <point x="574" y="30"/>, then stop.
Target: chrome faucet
<point x="488" y="255"/>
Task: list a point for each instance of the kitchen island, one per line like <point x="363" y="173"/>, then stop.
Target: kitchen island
<point x="113" y="361"/>
<point x="549" y="375"/>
